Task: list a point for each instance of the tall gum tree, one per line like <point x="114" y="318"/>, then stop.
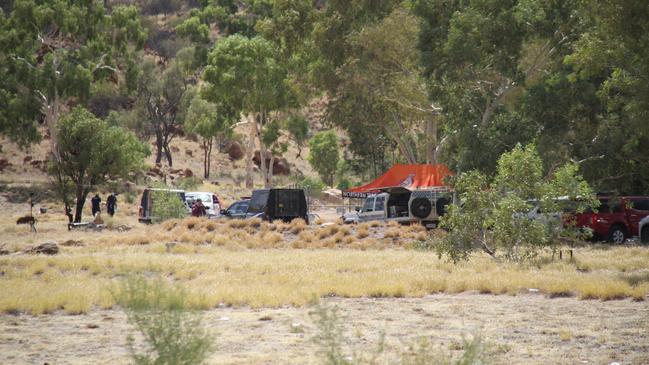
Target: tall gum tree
<point x="52" y="51"/>
<point x="243" y="74"/>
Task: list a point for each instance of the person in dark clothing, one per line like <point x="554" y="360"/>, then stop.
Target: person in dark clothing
<point x="111" y="204"/>
<point x="96" y="204"/>
<point x="198" y="209"/>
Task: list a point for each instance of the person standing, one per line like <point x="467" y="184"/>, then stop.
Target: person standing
<point x="198" y="209"/>
<point x="96" y="204"/>
<point x="111" y="204"/>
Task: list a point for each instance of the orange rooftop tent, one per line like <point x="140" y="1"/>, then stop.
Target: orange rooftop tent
<point x="410" y="177"/>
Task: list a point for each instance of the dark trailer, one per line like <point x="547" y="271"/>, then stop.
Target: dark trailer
<point x="282" y="204"/>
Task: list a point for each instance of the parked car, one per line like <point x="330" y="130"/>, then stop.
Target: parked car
<point x="209" y="200"/>
<point x="351" y="217"/>
<point x="644" y="230"/>
<point x="147" y="201"/>
<point x="238" y="209"/>
<point x="282" y="204"/>
<point x="405" y="206"/>
<point x="616" y="219"/>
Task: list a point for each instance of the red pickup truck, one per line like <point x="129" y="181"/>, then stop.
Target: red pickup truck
<point x="617" y="217"/>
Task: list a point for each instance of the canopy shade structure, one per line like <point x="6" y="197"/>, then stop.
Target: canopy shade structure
<point x="409" y="177"/>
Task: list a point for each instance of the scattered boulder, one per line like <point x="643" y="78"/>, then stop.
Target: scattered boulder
<point x="47" y="248"/>
<point x="281" y="167"/>
<point x="280" y="164"/>
<point x="27" y="159"/>
<point x="189" y="153"/>
<point x="39" y="164"/>
<point x="235" y="151"/>
<point x="72" y="243"/>
<point x="155" y="171"/>
<point x="4" y="164"/>
<point x="175" y="149"/>
<point x="188" y="173"/>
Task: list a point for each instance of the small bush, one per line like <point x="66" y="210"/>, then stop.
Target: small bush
<point x="313" y="186"/>
<point x="493" y="216"/>
<point x="331" y="343"/>
<point x="329" y="338"/>
<point x="159" y="312"/>
<point x="188" y="183"/>
<point x="167" y="205"/>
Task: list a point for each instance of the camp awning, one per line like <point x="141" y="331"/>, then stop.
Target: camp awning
<point x="410" y="177"/>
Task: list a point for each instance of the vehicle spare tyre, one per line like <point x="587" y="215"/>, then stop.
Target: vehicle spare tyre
<point x="421" y="207"/>
<point x="441" y="205"/>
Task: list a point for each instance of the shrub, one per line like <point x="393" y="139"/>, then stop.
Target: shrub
<point x="167" y="205"/>
<point x="493" y="216"/>
<point x="188" y="183"/>
<point x="324" y="156"/>
<point x="329" y="338"/>
<point x="159" y="312"/>
<point x="313" y="186"/>
<point x="331" y="342"/>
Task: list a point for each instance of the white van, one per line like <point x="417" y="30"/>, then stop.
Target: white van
<point x="209" y="200"/>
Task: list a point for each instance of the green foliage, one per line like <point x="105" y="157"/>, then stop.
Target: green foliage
<point x="167" y="205"/>
<point x="329" y="338"/>
<point x="243" y="74"/>
<point x="160" y="313"/>
<point x="298" y="128"/>
<point x="52" y="52"/>
<point x="91" y="153"/>
<point x="208" y="121"/>
<point x="160" y="99"/>
<point x="314" y="186"/>
<point x="323" y="155"/>
<point x="493" y="217"/>
<point x="188" y="182"/>
<point x="331" y="341"/>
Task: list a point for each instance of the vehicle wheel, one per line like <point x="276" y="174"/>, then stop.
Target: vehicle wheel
<point x="441" y="205"/>
<point x="421" y="207"/>
<point x="644" y="235"/>
<point x="617" y="235"/>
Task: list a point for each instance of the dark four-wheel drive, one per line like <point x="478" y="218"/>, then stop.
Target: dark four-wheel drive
<point x="281" y="204"/>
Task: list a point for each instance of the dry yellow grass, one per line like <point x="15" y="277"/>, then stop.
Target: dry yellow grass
<point x="80" y="278"/>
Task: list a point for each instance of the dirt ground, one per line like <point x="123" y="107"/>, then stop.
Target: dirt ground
<point x="526" y="329"/>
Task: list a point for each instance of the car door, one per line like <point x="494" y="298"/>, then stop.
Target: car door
<point x="637" y="209"/>
<point x="368" y="208"/>
<point x="379" y="207"/>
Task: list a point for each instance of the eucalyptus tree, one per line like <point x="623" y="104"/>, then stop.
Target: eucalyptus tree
<point x="91" y="152"/>
<point x="209" y="122"/>
<point x="52" y="51"/>
<point x="160" y="92"/>
<point x="244" y="75"/>
<point x="479" y="57"/>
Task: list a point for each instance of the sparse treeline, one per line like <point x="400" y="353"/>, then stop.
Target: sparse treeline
<point x="405" y="81"/>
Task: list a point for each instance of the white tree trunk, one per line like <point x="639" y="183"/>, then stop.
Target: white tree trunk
<point x="250" y="150"/>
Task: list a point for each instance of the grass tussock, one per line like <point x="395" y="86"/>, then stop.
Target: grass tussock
<point x="77" y="281"/>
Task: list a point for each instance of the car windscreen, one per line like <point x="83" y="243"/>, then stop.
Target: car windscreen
<point x="191" y="198"/>
<point x="239" y="207"/>
<point x="258" y="201"/>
